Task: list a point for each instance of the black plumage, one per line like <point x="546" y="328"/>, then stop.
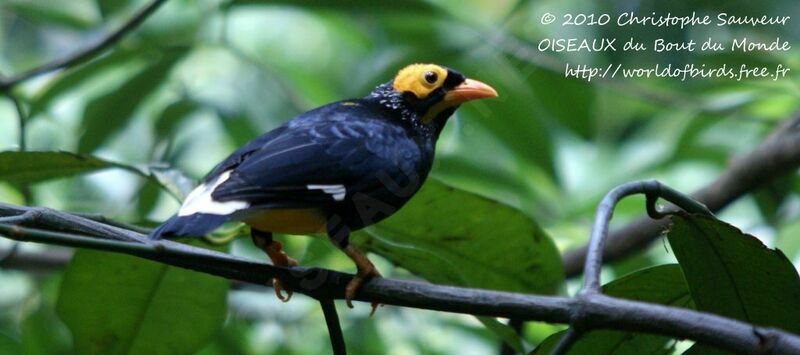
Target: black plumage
<point x="350" y="163"/>
<point x="327" y="146"/>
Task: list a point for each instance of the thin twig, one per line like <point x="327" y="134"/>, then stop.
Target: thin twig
<point x="598" y="311"/>
<point x="111" y="222"/>
<point x="334" y="328"/>
<point x="24" y="187"/>
<point x="777" y="156"/>
<point x="653" y="190"/>
<point x="46" y="218"/>
<point x="22" y="118"/>
<point x="567" y="340"/>
<point x="85" y="53"/>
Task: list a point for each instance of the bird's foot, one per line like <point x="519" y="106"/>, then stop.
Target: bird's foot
<point x="354" y="285"/>
<point x="279" y="258"/>
<point x="277" y="285"/>
<point x="365" y="271"/>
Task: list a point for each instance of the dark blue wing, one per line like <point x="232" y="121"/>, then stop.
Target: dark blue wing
<point x="319" y="148"/>
<point x="238" y="156"/>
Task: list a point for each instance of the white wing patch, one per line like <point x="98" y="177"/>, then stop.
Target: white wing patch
<point x="336" y="191"/>
<point x="200" y="201"/>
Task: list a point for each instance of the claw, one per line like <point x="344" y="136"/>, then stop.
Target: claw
<point x="365" y="272"/>
<point x="275" y="252"/>
<point x="374" y="307"/>
<point x="277" y="285"/>
<point x="350" y="290"/>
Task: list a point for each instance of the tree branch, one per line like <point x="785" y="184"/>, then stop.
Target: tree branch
<point x="654" y="190"/>
<point x="600" y="312"/>
<point x="777" y="156"/>
<point x="334" y="328"/>
<point x="591" y="289"/>
<point x="85" y="53"/>
<point x="34" y="262"/>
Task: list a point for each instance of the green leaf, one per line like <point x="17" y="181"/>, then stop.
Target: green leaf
<point x="111" y="7"/>
<point x="31" y="167"/>
<point x="517" y="115"/>
<point x="39" y="166"/>
<point x="43" y="334"/>
<point x="734" y="275"/>
<point x="453" y="237"/>
<point x="553" y="91"/>
<point x="662" y="284"/>
<point x="73" y="78"/>
<point x="172" y="116"/>
<point x="119" y="304"/>
<point x="109" y="113"/>
<point x="72" y="14"/>
<point x="449" y="236"/>
<point x="9" y="345"/>
<point x="771" y="197"/>
<point x="505" y="332"/>
<point x="232" y="340"/>
<point x="238" y="128"/>
<point x="146" y="199"/>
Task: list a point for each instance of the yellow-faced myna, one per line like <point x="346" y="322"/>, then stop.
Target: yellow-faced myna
<point x="334" y="169"/>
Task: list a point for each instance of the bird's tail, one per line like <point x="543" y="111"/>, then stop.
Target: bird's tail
<point x="194" y="225"/>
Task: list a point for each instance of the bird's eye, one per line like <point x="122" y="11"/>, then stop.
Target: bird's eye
<point x="431" y="77"/>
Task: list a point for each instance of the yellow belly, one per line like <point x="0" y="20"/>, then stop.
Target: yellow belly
<point x="287" y="221"/>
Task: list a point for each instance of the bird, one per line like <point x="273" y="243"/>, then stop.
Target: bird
<point x="332" y="170"/>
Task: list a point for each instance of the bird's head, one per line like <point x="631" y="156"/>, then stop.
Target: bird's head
<point x="430" y="92"/>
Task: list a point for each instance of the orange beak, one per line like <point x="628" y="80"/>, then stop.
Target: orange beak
<point x="469" y="90"/>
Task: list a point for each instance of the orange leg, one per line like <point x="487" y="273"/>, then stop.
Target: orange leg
<point x="339" y="234"/>
<point x="274" y="250"/>
<point x="365" y="271"/>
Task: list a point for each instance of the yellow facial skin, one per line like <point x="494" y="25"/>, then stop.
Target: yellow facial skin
<point x="422" y="79"/>
<point x="415" y="79"/>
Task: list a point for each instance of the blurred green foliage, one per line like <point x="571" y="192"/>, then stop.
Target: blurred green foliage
<point x="201" y="77"/>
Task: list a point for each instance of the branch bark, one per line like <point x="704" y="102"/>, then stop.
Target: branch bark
<point x="86" y="53"/>
<point x="334" y="328"/>
<point x="777" y="156"/>
<point x="600" y="312"/>
<point x="591" y="290"/>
